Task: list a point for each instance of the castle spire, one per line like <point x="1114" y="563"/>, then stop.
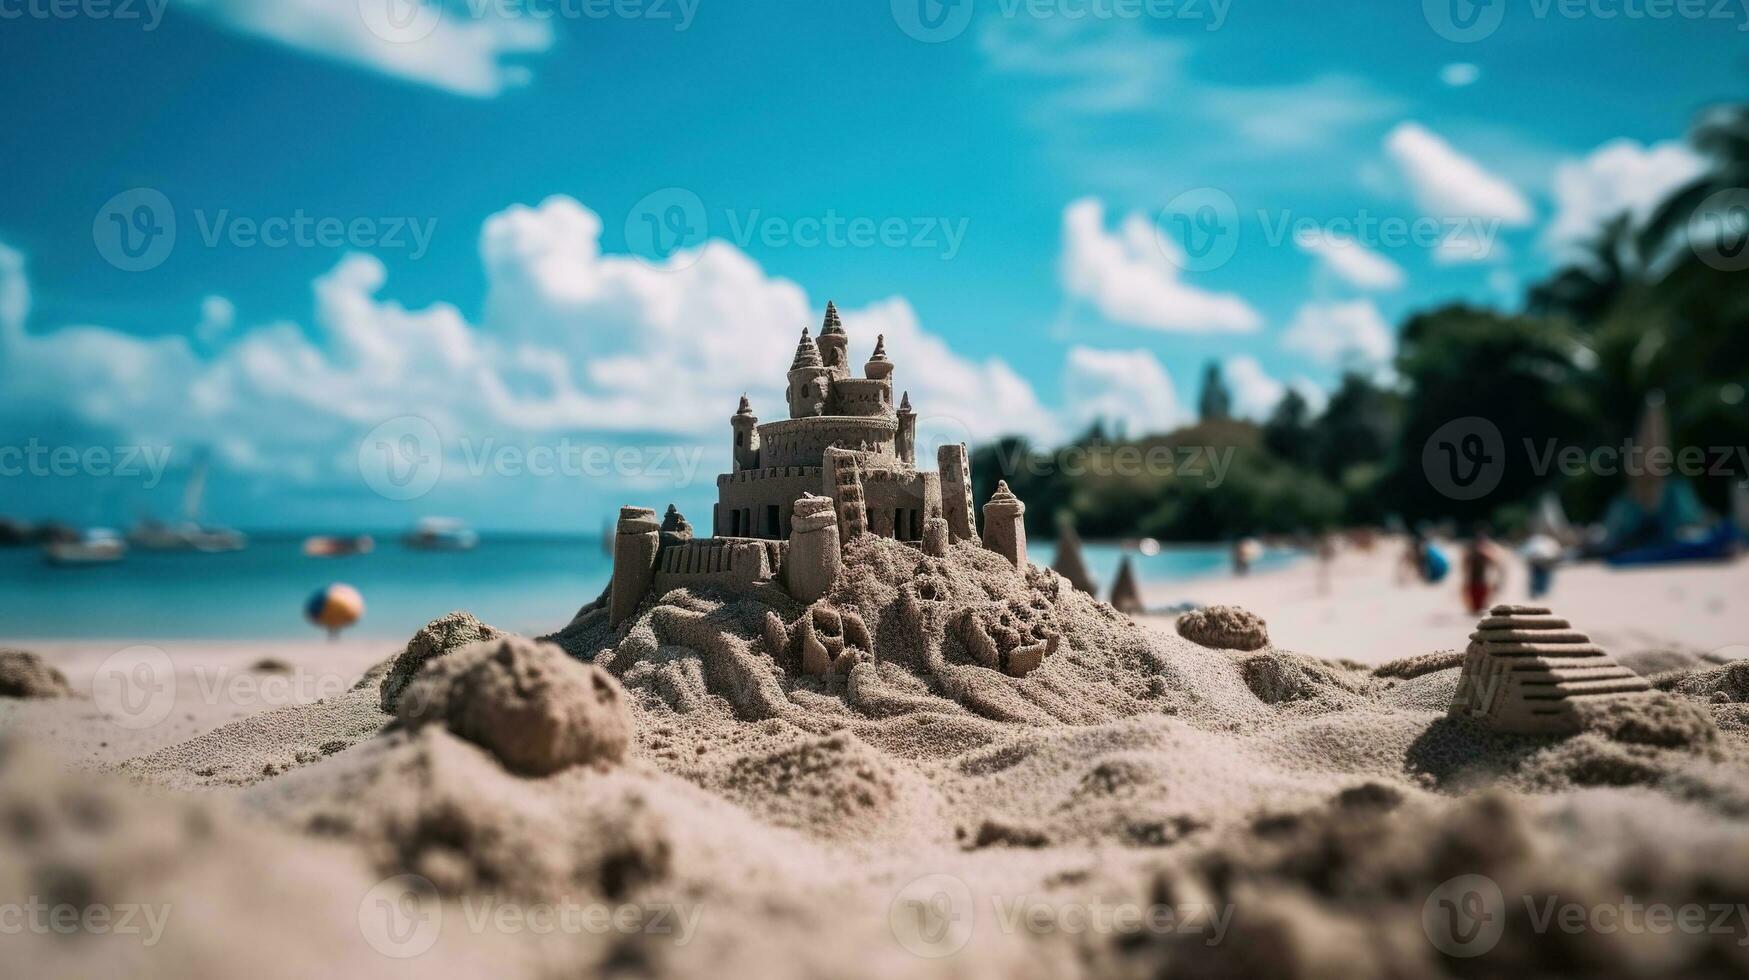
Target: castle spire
<point x="807" y="353"/>
<point x="879" y="366"/>
<point x="746" y="407"/>
<point x="905" y="402"/>
<point x="833" y="324"/>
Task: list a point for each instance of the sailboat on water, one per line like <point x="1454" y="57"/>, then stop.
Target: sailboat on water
<point x="188" y="534"/>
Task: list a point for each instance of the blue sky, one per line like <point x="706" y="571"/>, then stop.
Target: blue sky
<point x="1008" y="197"/>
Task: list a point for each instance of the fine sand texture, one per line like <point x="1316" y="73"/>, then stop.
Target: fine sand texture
<point x="886" y="783"/>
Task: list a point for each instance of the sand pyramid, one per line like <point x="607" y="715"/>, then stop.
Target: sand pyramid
<point x="1529" y="672"/>
<point x="1070" y="564"/>
<point x="1126" y="594"/>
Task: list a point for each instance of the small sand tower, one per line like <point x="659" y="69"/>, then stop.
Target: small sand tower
<point x="635" y="544"/>
<point x="1004" y="526"/>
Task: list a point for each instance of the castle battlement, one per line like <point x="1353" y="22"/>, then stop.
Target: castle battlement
<point x="841" y="465"/>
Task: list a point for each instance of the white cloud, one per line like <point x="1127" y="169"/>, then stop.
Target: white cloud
<point x="1131" y="278"/>
<point x="1256" y="392"/>
<point x="1127" y="387"/>
<point x="1351" y="261"/>
<point x="424" y="41"/>
<point x="1458" y="74"/>
<point x="217" y="316"/>
<point x="1448" y="185"/>
<point x="573" y="341"/>
<point x="1619" y="177"/>
<point x="1333" y="334"/>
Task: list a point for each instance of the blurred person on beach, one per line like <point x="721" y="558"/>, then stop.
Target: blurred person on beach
<point x="1241" y="558"/>
<point x="1422" y="561"/>
<point x="1541" y="556"/>
<point x="1324" y="548"/>
<point x="1483" y="571"/>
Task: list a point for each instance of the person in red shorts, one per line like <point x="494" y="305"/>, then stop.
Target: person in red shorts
<point x="1483" y="571"/>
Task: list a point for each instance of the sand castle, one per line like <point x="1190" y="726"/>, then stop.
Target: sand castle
<point x="1529" y="672"/>
<point x="802" y="489"/>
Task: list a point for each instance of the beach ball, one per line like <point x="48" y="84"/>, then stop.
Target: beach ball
<point x="334" y="607"/>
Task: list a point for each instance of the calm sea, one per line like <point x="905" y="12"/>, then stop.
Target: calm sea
<point x="529" y="585"/>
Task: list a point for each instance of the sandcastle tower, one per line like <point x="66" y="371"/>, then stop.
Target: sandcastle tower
<point x="834" y="343"/>
<point x="1126" y="593"/>
<point x="676" y="529"/>
<point x="810" y="380"/>
<point x="1529" y="672"/>
<point x="635" y="545"/>
<point x="905" y="440"/>
<point x="814" y="558"/>
<point x="1070" y="563"/>
<point x="956" y="491"/>
<point x="879" y="366"/>
<point x="745" y="426"/>
<point x="1004" y="526"/>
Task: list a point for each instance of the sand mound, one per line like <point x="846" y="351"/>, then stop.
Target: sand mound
<point x="537" y="709"/>
<point x="1727" y="684"/>
<point x="436" y="638"/>
<point x="1278" y="678"/>
<point x="263" y="745"/>
<point x="1426" y="663"/>
<point x="1224" y="628"/>
<point x="1390" y="890"/>
<point x="25" y="675"/>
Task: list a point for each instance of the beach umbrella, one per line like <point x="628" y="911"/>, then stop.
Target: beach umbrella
<point x="334" y="607"/>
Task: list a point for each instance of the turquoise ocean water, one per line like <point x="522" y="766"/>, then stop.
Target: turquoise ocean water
<point x="529" y="585"/>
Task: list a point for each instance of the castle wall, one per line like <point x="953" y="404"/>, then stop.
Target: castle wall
<point x="726" y="563"/>
<point x="900" y="502"/>
<point x="803" y="442"/>
<point x="753" y="493"/>
<point x="861" y="397"/>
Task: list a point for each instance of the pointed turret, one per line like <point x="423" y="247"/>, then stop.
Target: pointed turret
<point x="809" y="380"/>
<point x="807" y="353"/>
<point x="746" y="406"/>
<point x="905" y="443"/>
<point x="745" y="426"/>
<point x="835" y="343"/>
<point x="879" y="367"/>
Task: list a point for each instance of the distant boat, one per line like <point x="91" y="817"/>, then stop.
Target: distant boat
<point x="98" y="546"/>
<point x="338" y="546"/>
<point x="188" y="534"/>
<point x="441" y="534"/>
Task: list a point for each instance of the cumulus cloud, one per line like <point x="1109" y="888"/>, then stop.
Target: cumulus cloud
<point x="1455" y="188"/>
<point x="1341" y="333"/>
<point x="572" y="341"/>
<point x="1256" y="392"/>
<point x="1133" y="276"/>
<point x="1126" y="387"/>
<point x="423" y="41"/>
<point x="1619" y="177"/>
<point x="1351" y="261"/>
